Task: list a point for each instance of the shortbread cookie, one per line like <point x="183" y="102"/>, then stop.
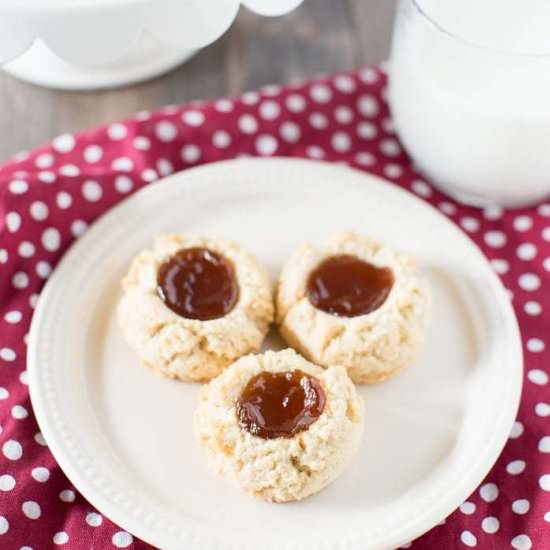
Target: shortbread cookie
<point x="353" y="302"/>
<point x="279" y="427"/>
<point x="194" y="304"/>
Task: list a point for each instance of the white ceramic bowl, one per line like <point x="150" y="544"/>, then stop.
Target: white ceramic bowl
<point x="82" y="44"/>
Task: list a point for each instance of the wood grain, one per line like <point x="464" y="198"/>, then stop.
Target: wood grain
<point x="321" y="36"/>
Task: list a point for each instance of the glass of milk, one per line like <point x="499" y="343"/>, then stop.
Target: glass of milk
<point x="470" y="96"/>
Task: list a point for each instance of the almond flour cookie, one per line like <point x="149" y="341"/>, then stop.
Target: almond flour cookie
<point x="353" y="302"/>
<point x="193" y="304"/>
<point x="279" y="427"/>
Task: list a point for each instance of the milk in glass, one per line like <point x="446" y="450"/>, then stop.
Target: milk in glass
<point x="470" y="96"/>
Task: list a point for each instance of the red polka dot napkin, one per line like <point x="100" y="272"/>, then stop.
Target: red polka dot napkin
<point x="49" y="196"/>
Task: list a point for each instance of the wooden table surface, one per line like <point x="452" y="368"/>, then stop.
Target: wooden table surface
<point x="320" y="36"/>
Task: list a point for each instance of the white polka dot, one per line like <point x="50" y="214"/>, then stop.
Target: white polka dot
<point x="40" y="474"/>
<point x="123" y="164"/>
<point x="223" y="105"/>
<point x="18" y="187"/>
<point x="368" y="76"/>
<point x="221" y="139"/>
<point x="290" y="132"/>
<point x="271" y="90"/>
<point x="318" y="121"/>
<point x="515" y="467"/>
<point x="166" y="131"/>
<point x="47" y="177"/>
<point x="546" y="264"/>
<point x="546" y="233"/>
<point x="143" y="115"/>
<point x="247" y="124"/>
<point x="26" y="249"/>
<point x="20" y="280"/>
<point x="344" y="84"/>
<point x="64" y="143"/>
<point x="3" y="255"/>
<point x="526" y="251"/>
<point x="492" y="213"/>
<point x="60" y="538"/>
<point x="7" y="482"/>
<point x="468" y="508"/>
<point x="393" y="170"/>
<point x="535" y="345"/>
<point x="521" y="506"/>
<point x="547" y="517"/>
<point x="24" y="376"/>
<point x="368" y="106"/>
<point x="25" y="548"/>
<point x="390" y="147"/>
<point x="45" y="160"/>
<point x="33" y="300"/>
<point x="544" y="210"/>
<point x="149" y="175"/>
<point x="39" y="211"/>
<point x="544" y="444"/>
<point x="13" y="316"/>
<point x="4" y="393"/>
<point x="529" y="282"/>
<point x="320" y="93"/>
<point x="67" y="495"/>
<point x="295" y="103"/>
<point x="13" y="221"/>
<point x="365" y="159"/>
<point x="19" y="412"/>
<point x="123" y="184"/>
<point x="366" y="130"/>
<point x="532" y="308"/>
<point x="266" y="145"/>
<point x="488" y="492"/>
<point x="495" y="239"/>
<point x="490" y="525"/>
<point x="343" y="114"/>
<point x="4" y="525"/>
<point x="117" y="131"/>
<point x="341" y="142"/>
<point x="193" y="118"/>
<point x="538" y="377"/>
<point x="93" y="154"/>
<point x="544" y="482"/>
<point x="315" y="152"/>
<point x="164" y="167"/>
<point x="447" y="208"/>
<point x="468" y="539"/>
<point x="31" y="509"/>
<point x="190" y="154"/>
<point x="521" y="542"/>
<point x="122" y="539"/>
<point x="421" y="188"/>
<point x="250" y="98"/>
<point x="517" y="430"/>
<point x="12" y="449"/>
<point x="523" y="223"/>
<point x="91" y="191"/>
<point x="39" y="438"/>
<point x="43" y="269"/>
<point x="69" y="170"/>
<point x="269" y="110"/>
<point x="469" y="224"/>
<point x="500" y="266"/>
<point x="63" y="200"/>
<point x="78" y="227"/>
<point x="51" y="239"/>
<point x="141" y="143"/>
<point x="542" y="409"/>
<point x="93" y="519"/>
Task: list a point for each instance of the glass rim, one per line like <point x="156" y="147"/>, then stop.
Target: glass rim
<point x="473" y="44"/>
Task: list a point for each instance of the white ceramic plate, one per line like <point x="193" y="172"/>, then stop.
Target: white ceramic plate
<point x="123" y="435"/>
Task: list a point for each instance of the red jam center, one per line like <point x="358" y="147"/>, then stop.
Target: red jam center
<point x="346" y="286"/>
<point x="280" y="404"/>
<point x="198" y="283"/>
